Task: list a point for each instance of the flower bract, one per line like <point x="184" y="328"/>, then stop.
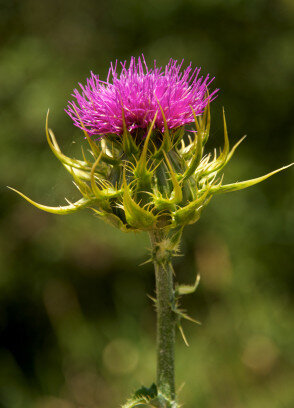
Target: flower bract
<point x="147" y="168"/>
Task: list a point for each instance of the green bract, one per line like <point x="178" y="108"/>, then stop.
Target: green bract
<point x="160" y="181"/>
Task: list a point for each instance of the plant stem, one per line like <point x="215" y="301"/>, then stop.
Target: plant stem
<point x="165" y="316"/>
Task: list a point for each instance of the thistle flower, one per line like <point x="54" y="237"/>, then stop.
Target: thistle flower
<point x="147" y="129"/>
<point x="147" y="171"/>
<point x="139" y="92"/>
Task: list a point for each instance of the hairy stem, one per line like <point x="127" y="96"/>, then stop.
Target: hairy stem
<point x="165" y="316"/>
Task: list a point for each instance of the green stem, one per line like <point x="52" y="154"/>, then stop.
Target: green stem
<point x="165" y="316"/>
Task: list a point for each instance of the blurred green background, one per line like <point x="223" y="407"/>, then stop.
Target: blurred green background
<point x="76" y="326"/>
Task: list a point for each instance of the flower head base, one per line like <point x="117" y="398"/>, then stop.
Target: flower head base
<point x="140" y="93"/>
<point x="162" y="180"/>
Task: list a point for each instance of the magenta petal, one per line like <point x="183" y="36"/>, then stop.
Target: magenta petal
<point x="138" y="91"/>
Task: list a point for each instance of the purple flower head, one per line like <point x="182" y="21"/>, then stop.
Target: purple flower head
<point x="138" y="93"/>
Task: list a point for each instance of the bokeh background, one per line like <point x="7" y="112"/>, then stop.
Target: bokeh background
<point x="76" y="326"/>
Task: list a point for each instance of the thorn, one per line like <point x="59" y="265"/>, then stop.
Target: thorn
<point x="95" y="189"/>
<point x="152" y="298"/>
<point x="146" y="262"/>
<point x="183" y="335"/>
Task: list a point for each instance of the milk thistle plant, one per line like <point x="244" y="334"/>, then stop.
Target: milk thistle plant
<point x="148" y="171"/>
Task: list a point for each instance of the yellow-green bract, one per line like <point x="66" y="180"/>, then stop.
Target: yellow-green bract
<point x="162" y="181"/>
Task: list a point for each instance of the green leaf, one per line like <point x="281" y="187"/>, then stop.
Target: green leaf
<point x="187" y="289"/>
<point x="142" y="398"/>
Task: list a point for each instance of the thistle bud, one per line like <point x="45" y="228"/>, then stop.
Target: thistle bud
<point x="147" y="130"/>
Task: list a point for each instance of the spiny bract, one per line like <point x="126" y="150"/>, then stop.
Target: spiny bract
<point x="148" y="171"/>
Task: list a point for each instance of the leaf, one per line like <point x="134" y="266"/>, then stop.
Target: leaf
<point x="188" y="289"/>
<point x="142" y="398"/>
